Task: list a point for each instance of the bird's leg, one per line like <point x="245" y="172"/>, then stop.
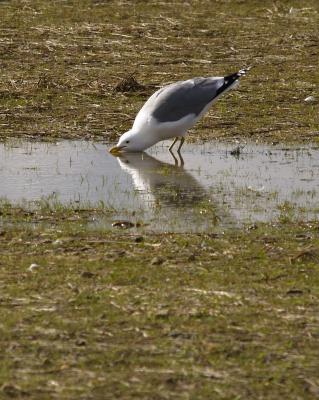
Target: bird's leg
<point x="181" y="144"/>
<point x="181" y="159"/>
<point x="172" y="145"/>
<point x="174" y="158"/>
<point x="178" y="151"/>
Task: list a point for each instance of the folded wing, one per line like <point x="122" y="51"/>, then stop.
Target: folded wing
<point x="180" y="99"/>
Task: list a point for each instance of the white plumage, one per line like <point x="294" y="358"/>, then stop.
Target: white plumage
<point x="173" y="109"/>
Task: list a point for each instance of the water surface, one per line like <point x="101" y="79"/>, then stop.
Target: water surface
<point x="216" y="188"/>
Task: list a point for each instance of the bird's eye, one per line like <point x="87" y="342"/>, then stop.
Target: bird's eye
<point x="127" y="141"/>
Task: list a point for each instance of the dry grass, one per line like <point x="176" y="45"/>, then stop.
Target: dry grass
<point x="60" y="62"/>
<point x="94" y="314"/>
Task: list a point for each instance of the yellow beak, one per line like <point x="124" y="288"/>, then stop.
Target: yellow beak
<point x="116" y="150"/>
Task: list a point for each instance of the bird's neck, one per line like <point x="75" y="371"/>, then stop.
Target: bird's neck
<point x="146" y="138"/>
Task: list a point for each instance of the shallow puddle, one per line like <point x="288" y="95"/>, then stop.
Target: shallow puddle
<point x="216" y="188"/>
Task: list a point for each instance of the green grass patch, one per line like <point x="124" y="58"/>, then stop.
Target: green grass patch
<point x="107" y="313"/>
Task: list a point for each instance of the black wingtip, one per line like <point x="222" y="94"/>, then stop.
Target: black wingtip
<point x="230" y="79"/>
<point x="233" y="77"/>
<point x="243" y="71"/>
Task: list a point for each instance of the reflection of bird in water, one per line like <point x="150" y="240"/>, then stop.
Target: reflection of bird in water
<point x="161" y="182"/>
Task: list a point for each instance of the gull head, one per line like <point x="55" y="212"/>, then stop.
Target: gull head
<point x="132" y="141"/>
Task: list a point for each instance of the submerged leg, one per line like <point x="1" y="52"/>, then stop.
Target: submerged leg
<point x="179" y="162"/>
<point x="172" y="145"/>
<point x="174" y="158"/>
<point x="181" y="159"/>
<point x="178" y="151"/>
<point x="181" y="144"/>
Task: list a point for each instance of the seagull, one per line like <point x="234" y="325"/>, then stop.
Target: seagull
<point x="172" y="110"/>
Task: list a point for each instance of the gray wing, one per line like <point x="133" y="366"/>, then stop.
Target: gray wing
<point x="175" y="101"/>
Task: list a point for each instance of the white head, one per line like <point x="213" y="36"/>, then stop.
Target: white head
<point x="132" y="141"/>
